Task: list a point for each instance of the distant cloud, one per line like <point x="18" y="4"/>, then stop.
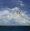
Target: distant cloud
<point x="20" y="3"/>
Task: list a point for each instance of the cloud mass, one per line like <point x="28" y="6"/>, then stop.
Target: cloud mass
<point x="14" y="16"/>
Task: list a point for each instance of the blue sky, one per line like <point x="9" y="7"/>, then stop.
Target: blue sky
<point x="12" y="3"/>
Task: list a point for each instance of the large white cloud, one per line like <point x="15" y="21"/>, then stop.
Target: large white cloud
<point x="14" y="16"/>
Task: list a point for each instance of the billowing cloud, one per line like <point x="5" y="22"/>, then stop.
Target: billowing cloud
<point x="14" y="16"/>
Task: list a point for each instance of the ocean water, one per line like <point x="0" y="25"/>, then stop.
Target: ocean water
<point x="14" y="28"/>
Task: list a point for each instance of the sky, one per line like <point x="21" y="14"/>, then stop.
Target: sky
<point x="14" y="12"/>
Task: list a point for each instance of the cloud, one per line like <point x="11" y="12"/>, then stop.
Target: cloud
<point x="14" y="16"/>
<point x="20" y="3"/>
<point x="4" y="12"/>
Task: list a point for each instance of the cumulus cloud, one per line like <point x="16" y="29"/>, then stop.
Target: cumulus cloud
<point x="14" y="16"/>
